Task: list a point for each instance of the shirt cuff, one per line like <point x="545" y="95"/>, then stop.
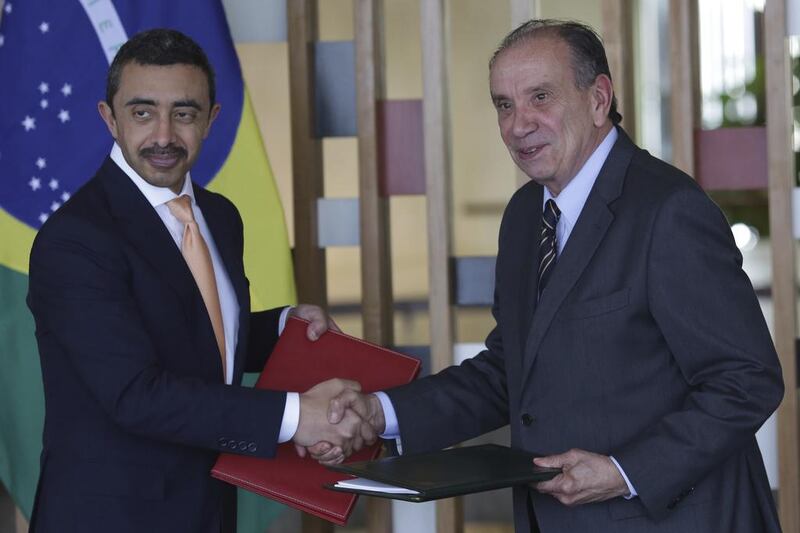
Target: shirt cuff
<point x="291" y="417"/>
<point x="282" y="319"/>
<point x="392" y="428"/>
<point x="631" y="491"/>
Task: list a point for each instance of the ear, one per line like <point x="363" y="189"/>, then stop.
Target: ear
<point x="602" y="92"/>
<point x="108" y="117"/>
<point x="212" y="116"/>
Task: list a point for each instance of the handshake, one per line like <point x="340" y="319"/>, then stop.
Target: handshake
<point x="336" y="420"/>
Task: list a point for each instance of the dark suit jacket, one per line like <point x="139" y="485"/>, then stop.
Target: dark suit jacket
<point x="648" y="344"/>
<point x="136" y="408"/>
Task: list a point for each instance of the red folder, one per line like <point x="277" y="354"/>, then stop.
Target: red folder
<point x="297" y="364"/>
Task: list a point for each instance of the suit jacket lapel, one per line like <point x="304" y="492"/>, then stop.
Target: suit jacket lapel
<point x="589" y="230"/>
<point x="529" y="279"/>
<point x="142" y="227"/>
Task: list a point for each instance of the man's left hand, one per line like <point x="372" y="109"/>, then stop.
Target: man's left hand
<point x="586" y="477"/>
<point x="319" y="321"/>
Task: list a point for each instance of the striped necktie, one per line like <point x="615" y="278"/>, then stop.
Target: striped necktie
<point x="198" y="258"/>
<point x="548" y="245"/>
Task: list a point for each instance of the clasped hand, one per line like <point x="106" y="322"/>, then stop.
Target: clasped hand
<point x="336" y="420"/>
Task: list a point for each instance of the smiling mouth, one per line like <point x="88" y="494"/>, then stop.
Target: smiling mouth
<point x="530" y="152"/>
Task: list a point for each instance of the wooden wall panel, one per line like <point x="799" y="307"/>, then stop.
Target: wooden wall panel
<point x="780" y="162"/>
<point x="449" y="513"/>
<point x="401" y="147"/>
<point x="731" y="158"/>
<point x="376" y="263"/>
<point x="685" y="81"/>
<point x="618" y="40"/>
<point x="309" y="259"/>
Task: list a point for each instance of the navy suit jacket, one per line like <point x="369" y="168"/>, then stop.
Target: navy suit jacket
<point x="136" y="407"/>
<point x="648" y="344"/>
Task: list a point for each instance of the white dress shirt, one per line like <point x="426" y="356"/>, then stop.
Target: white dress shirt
<point x="229" y="305"/>
<point x="570" y="202"/>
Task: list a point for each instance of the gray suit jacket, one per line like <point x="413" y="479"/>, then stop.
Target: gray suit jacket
<point x="648" y="344"/>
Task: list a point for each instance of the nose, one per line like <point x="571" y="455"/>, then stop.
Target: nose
<point x="525" y="122"/>
<point x="165" y="132"/>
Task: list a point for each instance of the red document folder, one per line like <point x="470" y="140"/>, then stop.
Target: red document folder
<point x="297" y="364"/>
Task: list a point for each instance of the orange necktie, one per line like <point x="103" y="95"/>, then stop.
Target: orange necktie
<point x="195" y="252"/>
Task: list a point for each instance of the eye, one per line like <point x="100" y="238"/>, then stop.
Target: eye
<point x="540" y="97"/>
<point x="141" y="114"/>
<point x="185" y="115"/>
<point x="502" y="105"/>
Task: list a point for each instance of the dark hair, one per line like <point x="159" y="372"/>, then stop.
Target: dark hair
<point x="588" y="55"/>
<point x="159" y="47"/>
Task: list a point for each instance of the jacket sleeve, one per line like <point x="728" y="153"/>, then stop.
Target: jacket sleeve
<point x="262" y="339"/>
<point x="708" y="314"/>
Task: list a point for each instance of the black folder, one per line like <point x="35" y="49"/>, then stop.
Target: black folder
<point x="448" y="473"/>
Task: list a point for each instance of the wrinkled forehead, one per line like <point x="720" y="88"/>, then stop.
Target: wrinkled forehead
<point x="533" y="60"/>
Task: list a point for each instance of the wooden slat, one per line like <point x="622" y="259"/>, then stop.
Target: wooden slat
<point x="784" y="292"/>
<point x="436" y="120"/>
<point x="307" y="182"/>
<point x="376" y="264"/>
<point x="521" y="11"/>
<point x="684" y="69"/>
<point x="309" y="259"/>
<point x="618" y="40"/>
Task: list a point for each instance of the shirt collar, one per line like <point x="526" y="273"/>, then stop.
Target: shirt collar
<point x="155" y="195"/>
<point x="572" y="198"/>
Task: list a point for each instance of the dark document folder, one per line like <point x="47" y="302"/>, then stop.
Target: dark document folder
<point x="446" y="473"/>
<point x="296" y="364"/>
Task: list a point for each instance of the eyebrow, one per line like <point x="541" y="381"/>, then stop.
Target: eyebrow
<point x="546" y="86"/>
<point x="180" y="103"/>
<point x="187" y="103"/>
<point x="140" y="101"/>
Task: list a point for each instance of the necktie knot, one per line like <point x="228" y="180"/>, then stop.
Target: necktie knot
<point x="181" y="208"/>
<point x="551" y="214"/>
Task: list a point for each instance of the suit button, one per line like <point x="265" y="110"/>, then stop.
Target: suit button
<point x="223" y="442"/>
<point x="527" y="419"/>
<point x="252" y="447"/>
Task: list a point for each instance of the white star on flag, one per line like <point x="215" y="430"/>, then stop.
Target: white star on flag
<point x="9" y="7"/>
<point x="63" y="116"/>
<point x="43" y="218"/>
<point x="29" y="123"/>
<point x="66" y="89"/>
<point x="64" y="196"/>
<point x="35" y="183"/>
<point x="44" y="27"/>
<point x="53" y="184"/>
<point x="54" y="206"/>
<point x="43" y="103"/>
<point x="43" y="88"/>
<point x="2" y="40"/>
<point x="41" y="163"/>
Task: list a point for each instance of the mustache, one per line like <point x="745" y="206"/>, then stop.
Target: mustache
<point x="169" y="150"/>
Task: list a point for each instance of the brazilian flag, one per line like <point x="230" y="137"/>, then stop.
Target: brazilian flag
<point x="54" y="55"/>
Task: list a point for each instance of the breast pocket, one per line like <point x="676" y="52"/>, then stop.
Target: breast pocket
<point x="597" y="306"/>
